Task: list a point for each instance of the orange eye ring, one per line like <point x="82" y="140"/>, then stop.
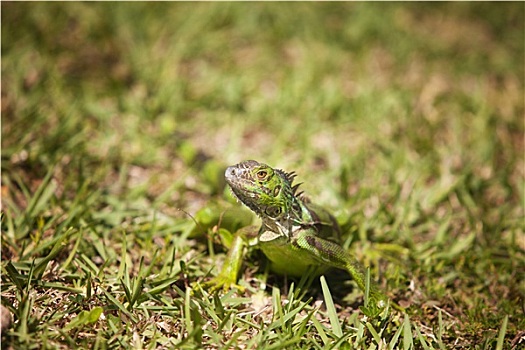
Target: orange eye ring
<point x="261" y="174"/>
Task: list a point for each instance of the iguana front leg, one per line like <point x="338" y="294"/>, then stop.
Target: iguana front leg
<point x="332" y="254"/>
<point x="229" y="273"/>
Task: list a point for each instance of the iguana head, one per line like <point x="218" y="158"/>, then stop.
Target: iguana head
<point x="268" y="192"/>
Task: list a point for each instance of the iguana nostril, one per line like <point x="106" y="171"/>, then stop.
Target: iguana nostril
<point x="230" y="173"/>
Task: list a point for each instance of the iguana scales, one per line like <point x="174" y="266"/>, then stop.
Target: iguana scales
<point x="296" y="236"/>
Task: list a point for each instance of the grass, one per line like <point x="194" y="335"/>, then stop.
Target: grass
<point x="118" y="120"/>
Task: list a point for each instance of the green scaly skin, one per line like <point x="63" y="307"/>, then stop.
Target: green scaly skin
<point x="297" y="237"/>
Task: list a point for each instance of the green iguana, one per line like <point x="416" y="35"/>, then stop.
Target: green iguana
<point x="296" y="236"/>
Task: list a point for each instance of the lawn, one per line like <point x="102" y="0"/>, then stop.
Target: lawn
<point x="405" y="120"/>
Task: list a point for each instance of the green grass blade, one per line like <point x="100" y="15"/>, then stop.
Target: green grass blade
<point x="502" y="332"/>
<point x="330" y="308"/>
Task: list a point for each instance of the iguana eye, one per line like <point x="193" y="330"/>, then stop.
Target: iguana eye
<point x="261" y="174"/>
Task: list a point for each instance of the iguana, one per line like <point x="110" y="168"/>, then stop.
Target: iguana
<point x="296" y="236"/>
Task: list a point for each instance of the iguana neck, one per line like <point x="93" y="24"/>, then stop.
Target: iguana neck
<point x="295" y="217"/>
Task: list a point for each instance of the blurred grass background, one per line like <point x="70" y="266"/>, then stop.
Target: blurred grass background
<point x="118" y="119"/>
